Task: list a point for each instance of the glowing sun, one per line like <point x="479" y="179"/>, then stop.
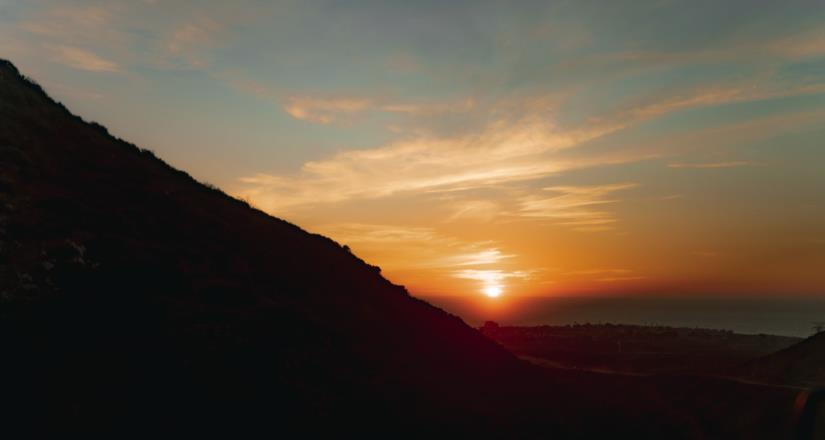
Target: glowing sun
<point x="492" y="291"/>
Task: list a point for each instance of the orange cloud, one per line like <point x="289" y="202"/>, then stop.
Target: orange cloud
<point x="83" y="59"/>
<point x="323" y="111"/>
<point x="502" y="152"/>
<point x="575" y="206"/>
<point x="729" y="164"/>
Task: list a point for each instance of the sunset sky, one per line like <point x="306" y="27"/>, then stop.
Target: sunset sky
<point x="528" y="148"/>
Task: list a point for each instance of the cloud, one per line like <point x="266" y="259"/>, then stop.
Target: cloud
<point x="443" y="251"/>
<point x="757" y="88"/>
<point x="599" y="271"/>
<point x="83" y="59"/>
<point x="575" y="206"/>
<point x="502" y="152"/>
<point x="192" y="41"/>
<point x="672" y="197"/>
<point x="617" y="279"/>
<point x="805" y="44"/>
<point x="325" y="110"/>
<point x="520" y="141"/>
<point x="479" y="210"/>
<point x="191" y="34"/>
<point x="426" y="252"/>
<point x="491" y="276"/>
<point x="729" y="164"/>
<point x="382" y="234"/>
<point x="70" y="23"/>
<point x="477" y="258"/>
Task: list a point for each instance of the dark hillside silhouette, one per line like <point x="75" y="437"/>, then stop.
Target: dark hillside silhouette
<point x="133" y="298"/>
<point x="802" y="364"/>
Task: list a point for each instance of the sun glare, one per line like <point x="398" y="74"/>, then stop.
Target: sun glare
<point x="492" y="291"/>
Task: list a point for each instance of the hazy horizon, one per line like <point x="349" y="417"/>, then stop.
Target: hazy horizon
<point x="783" y="316"/>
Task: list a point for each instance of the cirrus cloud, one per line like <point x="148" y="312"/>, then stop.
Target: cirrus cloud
<point x="82" y="59"/>
<point x="728" y="164"/>
<point x="576" y="206"/>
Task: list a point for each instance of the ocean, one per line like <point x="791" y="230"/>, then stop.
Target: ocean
<point x="778" y="316"/>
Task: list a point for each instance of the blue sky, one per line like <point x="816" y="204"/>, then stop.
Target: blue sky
<point x="542" y="147"/>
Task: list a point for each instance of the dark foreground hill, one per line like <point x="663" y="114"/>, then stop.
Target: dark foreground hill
<point x="802" y="364"/>
<point x="133" y="298"/>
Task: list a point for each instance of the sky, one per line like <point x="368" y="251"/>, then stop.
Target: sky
<point x="509" y="149"/>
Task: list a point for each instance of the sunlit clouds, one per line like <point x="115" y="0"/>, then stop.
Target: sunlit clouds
<point x="433" y="258"/>
<point x="582" y="208"/>
<point x="83" y="59"/>
<point x="326" y="110"/>
<point x="482" y="257"/>
<point x="323" y="110"/>
<point x="503" y="152"/>
<point x="479" y="149"/>
<point x="728" y="164"/>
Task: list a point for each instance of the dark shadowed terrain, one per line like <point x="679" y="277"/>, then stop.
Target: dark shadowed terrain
<point x="134" y="299"/>
<point x="634" y="349"/>
<point x="802" y="364"/>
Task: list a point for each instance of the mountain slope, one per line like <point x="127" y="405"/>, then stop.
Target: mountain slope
<point x="127" y="287"/>
<point x="134" y="298"/>
<point x="802" y="364"/>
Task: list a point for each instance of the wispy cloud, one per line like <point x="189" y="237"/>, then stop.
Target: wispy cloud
<point x="191" y="43"/>
<point x="599" y="271"/>
<point x="579" y="207"/>
<point x="617" y="279"/>
<point x="805" y="44"/>
<point x="491" y="276"/>
<point x="447" y="251"/>
<point x="73" y="24"/>
<point x="325" y="110"/>
<point x="728" y="164"/>
<point x="479" y="210"/>
<point x="382" y="234"/>
<point x="82" y="59"/>
<point x="429" y="252"/>
<point x="482" y="257"/>
<point x="502" y="152"/>
<point x="192" y="34"/>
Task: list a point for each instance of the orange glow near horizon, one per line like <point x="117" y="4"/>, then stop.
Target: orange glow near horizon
<point x="580" y="264"/>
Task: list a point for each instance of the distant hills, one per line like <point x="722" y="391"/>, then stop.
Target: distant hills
<point x="635" y="349"/>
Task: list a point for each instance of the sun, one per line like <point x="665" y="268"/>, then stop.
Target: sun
<point x="492" y="291"/>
